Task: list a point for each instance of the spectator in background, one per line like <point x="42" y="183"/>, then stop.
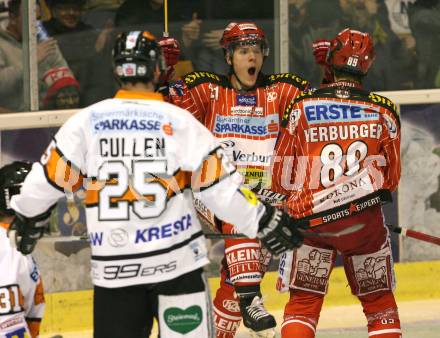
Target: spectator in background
<point x="11" y="68"/>
<point x="320" y="20"/>
<point x="393" y="66"/>
<point x="64" y="90"/>
<point x="297" y="29"/>
<point x="183" y="19"/>
<point x="208" y="51"/>
<point x="424" y="21"/>
<point x="86" y="50"/>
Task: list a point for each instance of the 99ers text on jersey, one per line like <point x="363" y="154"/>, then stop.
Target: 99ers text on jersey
<point x="122" y="271"/>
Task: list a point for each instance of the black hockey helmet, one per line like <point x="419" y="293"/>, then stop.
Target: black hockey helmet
<point x="136" y="55"/>
<point x="11" y="178"/>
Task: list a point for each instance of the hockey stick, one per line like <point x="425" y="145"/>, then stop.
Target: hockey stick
<point x="354" y="228"/>
<point x="414" y="234"/>
<point x="165" y="19"/>
<point x="396" y="229"/>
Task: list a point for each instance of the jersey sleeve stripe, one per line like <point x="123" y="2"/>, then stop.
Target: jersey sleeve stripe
<point x="211" y="172"/>
<point x="61" y="173"/>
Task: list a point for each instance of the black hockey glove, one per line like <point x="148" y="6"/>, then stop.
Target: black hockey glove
<point x="29" y="230"/>
<point x="279" y="232"/>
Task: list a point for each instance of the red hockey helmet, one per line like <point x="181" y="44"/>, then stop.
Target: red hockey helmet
<point x="352" y="52"/>
<point x="242" y="34"/>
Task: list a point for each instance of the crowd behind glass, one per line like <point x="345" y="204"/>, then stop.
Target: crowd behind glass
<point x="75" y="38"/>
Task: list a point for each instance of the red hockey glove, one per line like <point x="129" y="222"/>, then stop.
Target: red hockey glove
<point x="320" y="49"/>
<point x="170" y="50"/>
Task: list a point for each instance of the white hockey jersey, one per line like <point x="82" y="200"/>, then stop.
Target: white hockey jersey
<point x="139" y="158"/>
<point x="21" y="292"/>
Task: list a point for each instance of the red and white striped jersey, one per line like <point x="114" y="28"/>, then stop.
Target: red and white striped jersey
<point x="340" y="143"/>
<point x="21" y="292"/>
<point x="247" y="124"/>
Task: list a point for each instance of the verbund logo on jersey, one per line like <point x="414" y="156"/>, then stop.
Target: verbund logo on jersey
<point x="253" y="126"/>
<point x="332" y="111"/>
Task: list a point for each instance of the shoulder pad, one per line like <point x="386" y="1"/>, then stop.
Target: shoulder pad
<point x="290" y="78"/>
<point x="286" y="115"/>
<point x="195" y="78"/>
<point x="384" y="102"/>
<point x="302" y="95"/>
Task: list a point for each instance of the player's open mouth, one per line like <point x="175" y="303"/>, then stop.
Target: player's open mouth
<point x="252" y="70"/>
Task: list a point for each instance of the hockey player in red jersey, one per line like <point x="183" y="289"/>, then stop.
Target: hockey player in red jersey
<point x="339" y="157"/>
<point x="21" y="289"/>
<point x="243" y="110"/>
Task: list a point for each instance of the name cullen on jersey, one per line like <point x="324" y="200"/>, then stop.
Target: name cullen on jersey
<point x="132" y="147"/>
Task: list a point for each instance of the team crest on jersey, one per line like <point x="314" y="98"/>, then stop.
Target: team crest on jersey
<point x="271" y="96"/>
<point x="342" y="93"/>
<point x="176" y="88"/>
<point x="391" y="126"/>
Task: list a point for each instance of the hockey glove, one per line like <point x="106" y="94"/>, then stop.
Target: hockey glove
<point x="170" y="50"/>
<point x="278" y="231"/>
<point x="29" y="230"/>
<point x="320" y="50"/>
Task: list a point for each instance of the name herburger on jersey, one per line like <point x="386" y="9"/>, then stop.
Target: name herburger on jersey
<point x="256" y="126"/>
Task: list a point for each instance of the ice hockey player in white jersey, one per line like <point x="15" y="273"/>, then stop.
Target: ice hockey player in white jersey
<point x="140" y="159"/>
<point x="21" y="290"/>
